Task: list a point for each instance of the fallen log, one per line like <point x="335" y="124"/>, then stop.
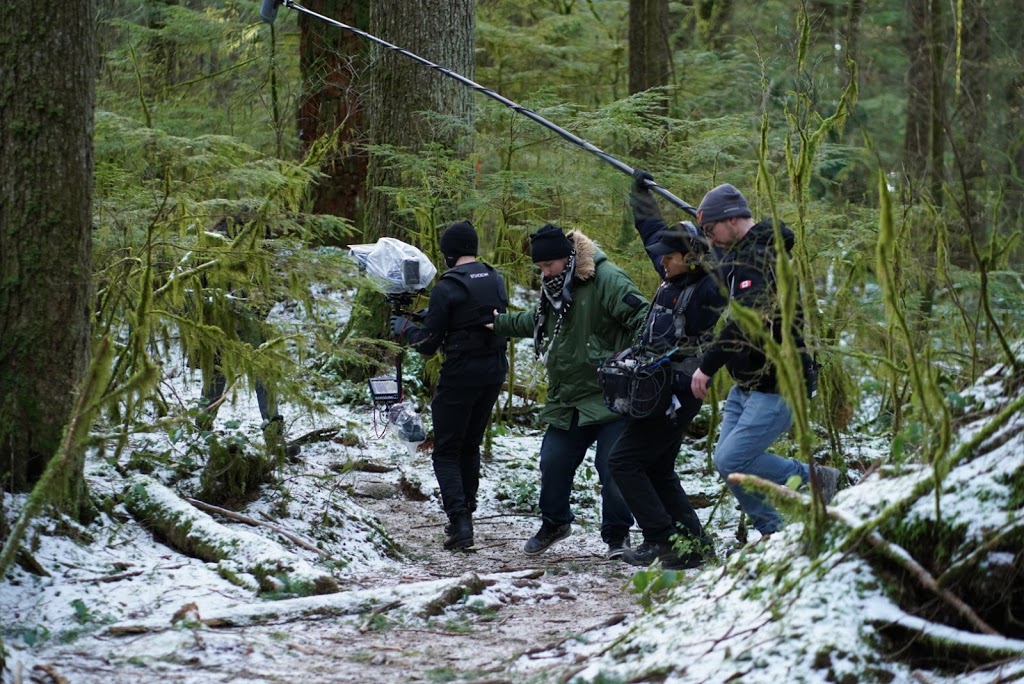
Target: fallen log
<point x="421" y="599"/>
<point x="239" y="554"/>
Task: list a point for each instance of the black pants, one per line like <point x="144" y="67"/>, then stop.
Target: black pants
<point x="643" y="465"/>
<point x="460" y="418"/>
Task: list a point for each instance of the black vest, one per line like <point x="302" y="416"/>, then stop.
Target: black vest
<point x="485" y="290"/>
<point x="665" y="327"/>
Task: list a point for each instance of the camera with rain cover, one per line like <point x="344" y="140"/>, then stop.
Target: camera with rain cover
<point x="400" y="272"/>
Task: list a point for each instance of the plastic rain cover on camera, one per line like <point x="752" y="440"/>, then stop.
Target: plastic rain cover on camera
<point x="406" y="423"/>
<point x="394" y="266"/>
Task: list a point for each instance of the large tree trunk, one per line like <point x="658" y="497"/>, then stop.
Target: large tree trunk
<point x="924" y="136"/>
<point x="649" y="58"/>
<point x="649" y="53"/>
<point x="46" y="165"/>
<point x="441" y="31"/>
<point x="917" y="131"/>
<point x="331" y="106"/>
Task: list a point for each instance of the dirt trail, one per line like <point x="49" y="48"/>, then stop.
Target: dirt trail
<point x="523" y="629"/>
<point x="520" y="639"/>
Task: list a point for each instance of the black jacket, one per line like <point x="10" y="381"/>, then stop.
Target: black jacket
<point x="461" y="303"/>
<point x="748" y="270"/>
<point x="702" y="312"/>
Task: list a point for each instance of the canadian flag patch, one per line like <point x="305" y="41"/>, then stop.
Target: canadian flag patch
<point x="745" y="284"/>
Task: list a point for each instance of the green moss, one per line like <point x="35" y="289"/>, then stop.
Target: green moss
<point x="933" y="544"/>
<point x="1015" y="482"/>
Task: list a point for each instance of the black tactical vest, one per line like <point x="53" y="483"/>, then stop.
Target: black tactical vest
<point x="485" y="290"/>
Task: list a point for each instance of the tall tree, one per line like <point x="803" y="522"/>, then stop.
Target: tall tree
<point x="649" y="57"/>
<point x="46" y="164"/>
<point x="650" y="63"/>
<point x="403" y="93"/>
<point x="330" y="117"/>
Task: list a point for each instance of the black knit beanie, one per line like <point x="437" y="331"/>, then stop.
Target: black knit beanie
<point x="459" y="239"/>
<point x="548" y="244"/>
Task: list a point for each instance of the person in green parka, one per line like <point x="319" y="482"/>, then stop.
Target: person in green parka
<point x="589" y="310"/>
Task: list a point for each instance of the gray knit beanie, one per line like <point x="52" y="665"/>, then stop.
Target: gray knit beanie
<point x="722" y="203"/>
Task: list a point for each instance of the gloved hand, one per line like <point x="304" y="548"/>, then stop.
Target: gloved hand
<point x="399" y="324"/>
<point x="640" y="180"/>
<point x="641" y="199"/>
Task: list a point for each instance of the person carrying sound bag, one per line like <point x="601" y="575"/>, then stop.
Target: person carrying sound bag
<point x="679" y="324"/>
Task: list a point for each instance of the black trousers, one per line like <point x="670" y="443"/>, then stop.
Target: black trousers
<point x="460" y="417"/>
<point x="643" y="465"/>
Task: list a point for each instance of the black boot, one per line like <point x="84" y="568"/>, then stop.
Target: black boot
<point x="461" y="535"/>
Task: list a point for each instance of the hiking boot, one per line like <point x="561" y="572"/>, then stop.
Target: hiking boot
<point x="648" y="552"/>
<point x="617" y="547"/>
<point x="547" y="535"/>
<point x="461" y="534"/>
<point x="828" y="482"/>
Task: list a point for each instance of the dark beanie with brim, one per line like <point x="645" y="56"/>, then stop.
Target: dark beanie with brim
<point x="459" y="239"/>
<point x="681" y="238"/>
<point x="549" y="243"/>
<point x="721" y="204"/>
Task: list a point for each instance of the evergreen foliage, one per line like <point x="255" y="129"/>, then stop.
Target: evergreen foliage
<point x="777" y="109"/>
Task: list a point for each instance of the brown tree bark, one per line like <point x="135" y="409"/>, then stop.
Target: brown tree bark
<point x="441" y="31"/>
<point x="649" y="57"/>
<point x="917" y="133"/>
<point x="47" y="76"/>
<point x="331" y="106"/>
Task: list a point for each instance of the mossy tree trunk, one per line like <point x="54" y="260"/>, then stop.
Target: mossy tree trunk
<point x="47" y="75"/>
<point x="330" y="116"/>
<point x="402" y="91"/>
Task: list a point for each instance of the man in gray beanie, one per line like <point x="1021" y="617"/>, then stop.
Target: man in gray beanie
<point x="755" y="413"/>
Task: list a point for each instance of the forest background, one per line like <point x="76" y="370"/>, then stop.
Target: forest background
<point x="887" y="137"/>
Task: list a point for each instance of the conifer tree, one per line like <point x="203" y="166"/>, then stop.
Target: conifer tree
<point x="46" y="170"/>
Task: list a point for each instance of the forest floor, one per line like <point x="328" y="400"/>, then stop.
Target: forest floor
<point x="528" y="623"/>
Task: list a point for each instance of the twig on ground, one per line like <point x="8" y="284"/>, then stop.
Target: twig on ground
<point x="890" y="550"/>
<point x="209" y="508"/>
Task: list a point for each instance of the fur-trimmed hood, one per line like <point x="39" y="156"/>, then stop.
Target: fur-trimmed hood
<point x="588" y="255"/>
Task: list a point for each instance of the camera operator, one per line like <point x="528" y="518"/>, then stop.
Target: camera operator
<point x="474" y="369"/>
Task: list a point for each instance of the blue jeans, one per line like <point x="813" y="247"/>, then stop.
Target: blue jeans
<point x="561" y="453"/>
<point x="751" y="422"/>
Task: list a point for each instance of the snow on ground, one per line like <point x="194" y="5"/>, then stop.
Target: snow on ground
<point x="114" y="604"/>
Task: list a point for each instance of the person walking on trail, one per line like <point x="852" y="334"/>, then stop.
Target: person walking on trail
<point x="755" y="413"/>
<point x="588" y="310"/>
<point x="461" y="305"/>
<point x="681" y="321"/>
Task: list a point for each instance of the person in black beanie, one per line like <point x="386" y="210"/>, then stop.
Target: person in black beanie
<point x="588" y="310"/>
<point x="475" y="365"/>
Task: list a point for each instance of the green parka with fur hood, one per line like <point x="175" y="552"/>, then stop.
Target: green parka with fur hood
<point x="605" y="316"/>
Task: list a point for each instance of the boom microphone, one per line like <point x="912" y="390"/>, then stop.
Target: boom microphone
<point x="269" y="11"/>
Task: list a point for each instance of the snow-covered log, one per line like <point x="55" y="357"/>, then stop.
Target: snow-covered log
<point x="422" y="599"/>
<point x="242" y="557"/>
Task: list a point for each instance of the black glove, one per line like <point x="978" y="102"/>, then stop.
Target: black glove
<point x="641" y="199"/>
<point x="399" y="324"/>
<point x="641" y="177"/>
